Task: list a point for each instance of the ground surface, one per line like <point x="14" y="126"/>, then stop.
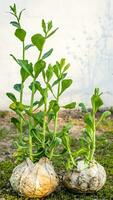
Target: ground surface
<point x="104" y="155"/>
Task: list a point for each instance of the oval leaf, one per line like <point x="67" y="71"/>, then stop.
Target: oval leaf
<point x="70" y="105"/>
<point x="17" y="87"/>
<point x="38" y="67"/>
<point x="65" y="84"/>
<point x="20" y="34"/>
<point x="38" y="40"/>
<point x="11" y="96"/>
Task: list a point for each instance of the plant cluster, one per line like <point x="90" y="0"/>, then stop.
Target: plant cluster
<point x="40" y="140"/>
<point x="88" y="139"/>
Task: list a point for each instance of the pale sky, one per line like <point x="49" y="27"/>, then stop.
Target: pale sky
<point x="82" y="38"/>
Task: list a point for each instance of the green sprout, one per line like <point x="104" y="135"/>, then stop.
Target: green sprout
<point x="88" y="138"/>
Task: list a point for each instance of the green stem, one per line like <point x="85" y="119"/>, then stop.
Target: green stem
<point x="93" y="142"/>
<point x="30" y="121"/>
<point x="56" y="120"/>
<point x="31" y="110"/>
<point x="21" y="95"/>
<point x="71" y="157"/>
<point x="56" y="117"/>
<point x="45" y="120"/>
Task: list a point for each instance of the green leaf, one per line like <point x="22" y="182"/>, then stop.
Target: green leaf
<point x="20" y="34"/>
<point x="47" y="54"/>
<point x="16" y="122"/>
<point x="35" y="103"/>
<point x="41" y="102"/>
<point x="28" y="46"/>
<point x="38" y="40"/>
<point x="44" y="26"/>
<point x="70" y="105"/>
<point x="56" y="70"/>
<point x="24" y="74"/>
<point x="66" y="67"/>
<point x="49" y="26"/>
<point x="56" y="108"/>
<point x="31" y="87"/>
<point x="103" y="117"/>
<point x="26" y="66"/>
<point x="39" y="117"/>
<point x="11" y="96"/>
<point x="16" y="24"/>
<point x="55" y="142"/>
<point x="65" y="84"/>
<point x="88" y="120"/>
<point x="17" y="87"/>
<point x="13" y="8"/>
<point x="83" y="107"/>
<point x="39" y="67"/>
<point x="20" y="14"/>
<point x="56" y="82"/>
<point x="49" y="73"/>
<point x="52" y="33"/>
<point x="96" y="102"/>
<point x="53" y="105"/>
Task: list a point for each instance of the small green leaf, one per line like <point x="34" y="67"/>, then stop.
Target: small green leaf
<point x="28" y="46"/>
<point x="52" y="33"/>
<point x="88" y="120"/>
<point x="26" y="69"/>
<point x="96" y="102"/>
<point x="83" y="107"/>
<point x="16" y="24"/>
<point x="39" y="67"/>
<point x="16" y="122"/>
<point x="38" y="40"/>
<point x="103" y="117"/>
<point x="70" y="105"/>
<point x="65" y="84"/>
<point x="49" y="73"/>
<point x="26" y="66"/>
<point x="56" y="70"/>
<point x="20" y="34"/>
<point x="17" y="87"/>
<point x="13" y="8"/>
<point x="39" y="117"/>
<point x="11" y="96"/>
<point x="56" y="108"/>
<point x="24" y="74"/>
<point x="47" y="54"/>
<point x="49" y="26"/>
<point x="44" y="26"/>
<point x="56" y="82"/>
<point x="66" y="67"/>
<point x="20" y="14"/>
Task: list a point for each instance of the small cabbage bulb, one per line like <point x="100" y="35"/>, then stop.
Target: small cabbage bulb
<point x="34" y="180"/>
<point x="86" y="178"/>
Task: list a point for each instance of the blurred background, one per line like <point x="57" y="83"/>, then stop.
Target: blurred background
<point x="84" y="38"/>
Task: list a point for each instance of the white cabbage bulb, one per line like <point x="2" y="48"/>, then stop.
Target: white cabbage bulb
<point x="34" y="180"/>
<point x="85" y="178"/>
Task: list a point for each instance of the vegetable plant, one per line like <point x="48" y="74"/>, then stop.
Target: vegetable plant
<point x="38" y="140"/>
<point x="88" y="138"/>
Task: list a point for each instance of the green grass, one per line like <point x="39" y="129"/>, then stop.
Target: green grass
<point x="104" y="155"/>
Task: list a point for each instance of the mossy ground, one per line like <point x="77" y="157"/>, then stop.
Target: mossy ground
<point x="104" y="155"/>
